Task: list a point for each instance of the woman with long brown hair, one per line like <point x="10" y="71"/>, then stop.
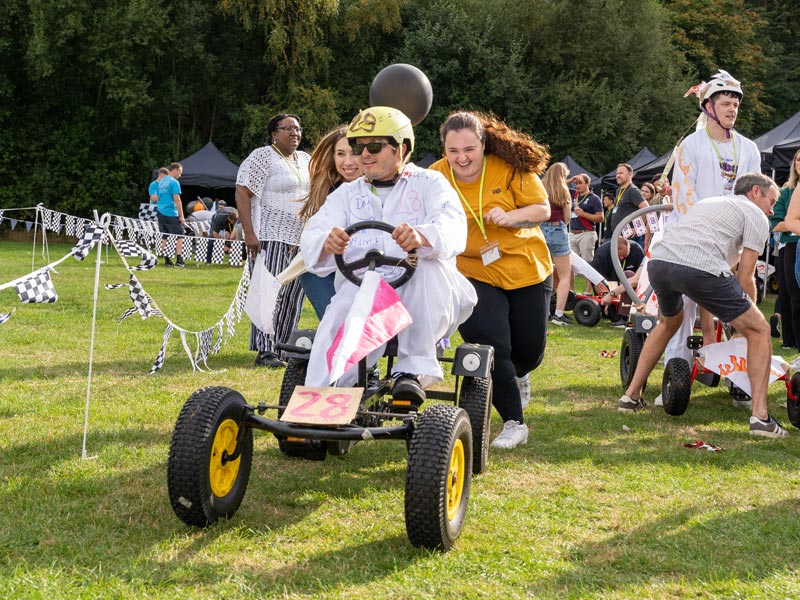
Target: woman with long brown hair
<point x="557" y="237"/>
<point x="332" y="163"/>
<point x="494" y="170"/>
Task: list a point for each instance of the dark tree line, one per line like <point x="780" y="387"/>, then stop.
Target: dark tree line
<point x="93" y="95"/>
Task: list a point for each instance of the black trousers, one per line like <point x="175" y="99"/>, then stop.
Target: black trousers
<point x="515" y="323"/>
<point x="789" y="294"/>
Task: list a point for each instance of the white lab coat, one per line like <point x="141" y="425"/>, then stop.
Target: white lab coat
<point x="438" y="297"/>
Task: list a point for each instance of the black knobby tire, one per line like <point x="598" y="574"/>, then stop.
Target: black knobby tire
<point x="570" y="304"/>
<point x="203" y="485"/>
<point x="439" y="477"/>
<point x="294" y="375"/>
<point x="793" y="406"/>
<point x="475" y="397"/>
<point x="629" y="353"/>
<point x="587" y="312"/>
<point x="676" y="386"/>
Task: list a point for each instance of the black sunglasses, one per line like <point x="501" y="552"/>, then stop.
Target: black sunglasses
<point x="373" y="147"/>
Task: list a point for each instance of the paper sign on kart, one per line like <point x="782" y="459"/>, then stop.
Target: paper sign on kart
<point x="322" y="405"/>
<point x="729" y="359"/>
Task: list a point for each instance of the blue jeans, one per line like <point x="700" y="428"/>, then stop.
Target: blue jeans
<point x="318" y="290"/>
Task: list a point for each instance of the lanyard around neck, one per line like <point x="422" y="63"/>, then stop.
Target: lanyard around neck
<point x="719" y="157"/>
<point x="295" y="168"/>
<point x="479" y="217"/>
<point x="620" y="191"/>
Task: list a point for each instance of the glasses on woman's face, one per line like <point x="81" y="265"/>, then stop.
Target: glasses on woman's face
<point x="372" y="147"/>
<point x="290" y="129"/>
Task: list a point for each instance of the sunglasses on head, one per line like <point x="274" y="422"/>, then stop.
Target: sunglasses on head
<point x="373" y="147"/>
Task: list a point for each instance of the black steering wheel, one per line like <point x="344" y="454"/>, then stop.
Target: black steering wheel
<point x="375" y="258"/>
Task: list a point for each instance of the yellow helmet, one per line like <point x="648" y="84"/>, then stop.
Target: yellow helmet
<point x="383" y="121"/>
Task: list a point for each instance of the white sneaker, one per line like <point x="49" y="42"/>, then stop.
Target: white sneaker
<point x="748" y="404"/>
<point x="659" y="401"/>
<point x="514" y="433"/>
<point x="524" y="385"/>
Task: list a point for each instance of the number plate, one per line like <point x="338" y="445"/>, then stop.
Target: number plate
<point x="322" y="405"/>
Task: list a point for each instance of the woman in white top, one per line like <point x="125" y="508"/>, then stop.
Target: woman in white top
<point x="270" y="187"/>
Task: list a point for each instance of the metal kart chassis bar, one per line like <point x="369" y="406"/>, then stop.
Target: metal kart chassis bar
<point x="343" y="433"/>
<point x="615" y="254"/>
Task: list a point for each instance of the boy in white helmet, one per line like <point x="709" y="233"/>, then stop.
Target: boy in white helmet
<point x="427" y="217"/>
<point x="707" y="164"/>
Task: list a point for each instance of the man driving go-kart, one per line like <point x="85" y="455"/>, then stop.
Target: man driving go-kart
<point x="427" y="219"/>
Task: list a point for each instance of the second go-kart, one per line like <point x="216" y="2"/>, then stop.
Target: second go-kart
<point x="211" y="451"/>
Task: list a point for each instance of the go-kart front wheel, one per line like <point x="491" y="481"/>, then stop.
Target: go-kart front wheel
<point x="475" y="398"/>
<point x="439" y="477"/>
<point x="632" y="344"/>
<point x="587" y="312"/>
<point x="204" y="483"/>
<point x="676" y="386"/>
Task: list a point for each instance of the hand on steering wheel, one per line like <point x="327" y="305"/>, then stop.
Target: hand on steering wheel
<point x="375" y="258"/>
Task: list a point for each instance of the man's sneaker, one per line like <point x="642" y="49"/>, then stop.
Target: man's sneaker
<point x="168" y="261"/>
<point x="619" y="323"/>
<point x="742" y="402"/>
<point x="659" y="401"/>
<point x="560" y="320"/>
<point x="628" y="404"/>
<point x="514" y="433"/>
<point x="524" y="385"/>
<point x="179" y="262"/>
<point x="407" y="391"/>
<point x="775" y="325"/>
<point x="269" y="359"/>
<point x="769" y="428"/>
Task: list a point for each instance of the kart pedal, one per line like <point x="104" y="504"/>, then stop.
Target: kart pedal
<point x="694" y="342"/>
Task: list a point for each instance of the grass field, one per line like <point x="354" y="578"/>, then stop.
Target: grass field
<point x="587" y="509"/>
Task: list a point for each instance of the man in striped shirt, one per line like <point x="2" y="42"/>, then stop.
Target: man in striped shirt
<point x="695" y="258"/>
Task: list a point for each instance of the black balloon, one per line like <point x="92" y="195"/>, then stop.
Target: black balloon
<point x="405" y="88"/>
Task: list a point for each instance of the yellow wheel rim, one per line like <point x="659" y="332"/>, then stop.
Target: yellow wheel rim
<point x="455" y="480"/>
<point x="223" y="476"/>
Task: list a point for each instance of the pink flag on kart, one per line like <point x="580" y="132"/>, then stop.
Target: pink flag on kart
<point x="377" y="315"/>
<point x="729" y="359"/>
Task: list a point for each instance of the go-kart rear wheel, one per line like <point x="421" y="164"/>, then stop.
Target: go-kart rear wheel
<point x="587" y="312"/>
<point x="439" y="477"/>
<point x="631" y="349"/>
<point x="294" y="375"/>
<point x="793" y="404"/>
<point x="676" y="386"/>
<point x="475" y="398"/>
<point x="204" y="484"/>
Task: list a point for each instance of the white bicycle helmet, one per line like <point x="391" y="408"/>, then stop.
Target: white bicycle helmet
<point x="720" y="82"/>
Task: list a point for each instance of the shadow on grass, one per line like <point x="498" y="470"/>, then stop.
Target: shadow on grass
<point x="749" y="545"/>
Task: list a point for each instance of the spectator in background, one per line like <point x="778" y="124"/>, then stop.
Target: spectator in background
<point x="650" y="195"/>
<point x="332" y="163"/>
<point x="222" y="227"/>
<point x="270" y="188"/>
<point x="170" y="213"/>
<point x="788" y="289"/>
<point x="556" y="237"/>
<point x="152" y="190"/>
<point x="608" y="211"/>
<point x="588" y="212"/>
<point x="628" y="200"/>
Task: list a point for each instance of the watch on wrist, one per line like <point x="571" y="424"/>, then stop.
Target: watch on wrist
<point x="613" y="293"/>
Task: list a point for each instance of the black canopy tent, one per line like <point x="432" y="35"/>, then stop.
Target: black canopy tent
<point x="575" y="168"/>
<point x="646" y="172"/>
<point x="207" y="172"/>
<point x="609" y="181"/>
<point x="778" y="145"/>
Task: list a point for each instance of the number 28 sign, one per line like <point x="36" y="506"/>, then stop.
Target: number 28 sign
<point x="322" y="405"/>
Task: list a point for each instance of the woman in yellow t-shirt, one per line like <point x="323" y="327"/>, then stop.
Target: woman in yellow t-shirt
<point x="495" y="171"/>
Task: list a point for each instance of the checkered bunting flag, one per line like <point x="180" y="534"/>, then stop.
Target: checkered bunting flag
<point x="204" y="347"/>
<point x="129" y="248"/>
<point x="218" y="343"/>
<point x="149" y="261"/>
<point x="148" y="212"/>
<point x="159" y="362"/>
<point x="72" y="225"/>
<point x="140" y="298"/>
<point x="92" y="234"/>
<point x="218" y="252"/>
<point x="38" y="288"/>
<point x="237" y="251"/>
<point x="6" y="316"/>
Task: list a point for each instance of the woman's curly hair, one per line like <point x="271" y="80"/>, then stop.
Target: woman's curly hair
<point x="518" y="149"/>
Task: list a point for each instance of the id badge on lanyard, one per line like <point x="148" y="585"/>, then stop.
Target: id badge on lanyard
<point x="490" y="253"/>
